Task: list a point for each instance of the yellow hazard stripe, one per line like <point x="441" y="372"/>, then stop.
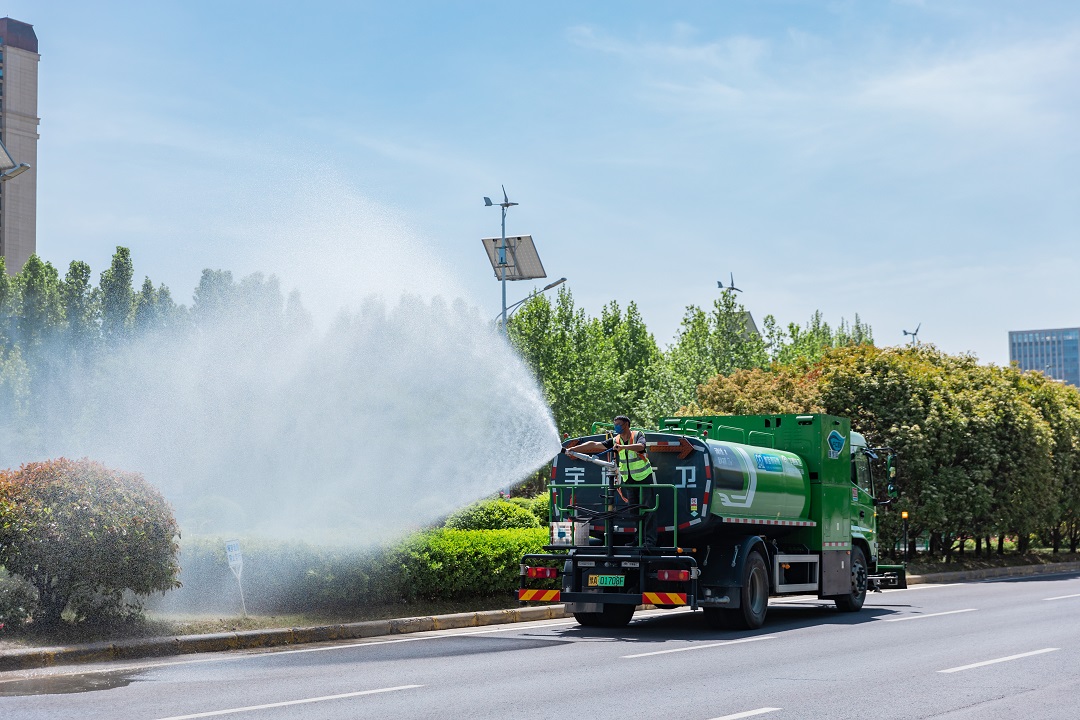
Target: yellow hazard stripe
<point x="539" y="595"/>
<point x="660" y="598"/>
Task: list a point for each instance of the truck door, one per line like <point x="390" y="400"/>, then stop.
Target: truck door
<point x="863" y="522"/>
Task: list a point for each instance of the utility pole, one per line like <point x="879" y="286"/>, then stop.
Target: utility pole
<point x="502" y="249"/>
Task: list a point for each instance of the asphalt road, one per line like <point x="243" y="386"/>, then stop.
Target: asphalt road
<point x="995" y="649"/>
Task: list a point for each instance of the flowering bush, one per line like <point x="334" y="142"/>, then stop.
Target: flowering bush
<point x="82" y="535"/>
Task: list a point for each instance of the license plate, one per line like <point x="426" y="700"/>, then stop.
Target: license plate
<point x="607" y="580"/>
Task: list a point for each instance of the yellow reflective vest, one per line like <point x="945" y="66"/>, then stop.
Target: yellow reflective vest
<point x="633" y="466"/>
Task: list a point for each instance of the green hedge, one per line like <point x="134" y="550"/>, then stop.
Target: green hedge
<point x="495" y="514"/>
<point x="283" y="576"/>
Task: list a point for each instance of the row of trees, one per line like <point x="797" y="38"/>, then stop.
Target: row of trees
<point x="984" y="452"/>
<point x="593" y="368"/>
<point x="57" y="332"/>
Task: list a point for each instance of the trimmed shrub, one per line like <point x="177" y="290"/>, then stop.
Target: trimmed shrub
<point x="537" y="505"/>
<point x="290" y="576"/>
<point x="83" y="534"/>
<point x="492" y="515"/>
<point x="455" y="564"/>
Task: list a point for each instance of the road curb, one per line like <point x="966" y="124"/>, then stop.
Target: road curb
<point x="30" y="658"/>
<point x="990" y="573"/>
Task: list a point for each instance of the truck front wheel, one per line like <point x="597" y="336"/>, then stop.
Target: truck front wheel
<point x="853" y="601"/>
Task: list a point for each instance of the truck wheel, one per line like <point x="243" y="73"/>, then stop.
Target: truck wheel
<point x="587" y="619"/>
<point x="753" y="599"/>
<point x="853" y="601"/>
<point x="616" y="616"/>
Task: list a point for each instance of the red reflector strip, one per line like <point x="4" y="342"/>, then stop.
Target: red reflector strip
<point x="659" y="598"/>
<point x="708" y="470"/>
<point x="539" y="595"/>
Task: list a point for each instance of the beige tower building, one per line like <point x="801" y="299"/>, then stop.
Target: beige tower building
<point x="19" y="133"/>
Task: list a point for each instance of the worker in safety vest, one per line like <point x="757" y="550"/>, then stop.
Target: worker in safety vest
<point x="631" y="454"/>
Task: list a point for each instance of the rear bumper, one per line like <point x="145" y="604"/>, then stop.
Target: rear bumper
<point x="640" y="568"/>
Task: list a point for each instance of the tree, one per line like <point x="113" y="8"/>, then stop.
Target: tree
<point x="572" y="358"/>
<point x="80" y="308"/>
<point x="117" y="297"/>
<point x="718" y="342"/>
<point x="38" y="309"/>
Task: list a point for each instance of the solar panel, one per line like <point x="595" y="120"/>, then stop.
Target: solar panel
<point x="522" y="260"/>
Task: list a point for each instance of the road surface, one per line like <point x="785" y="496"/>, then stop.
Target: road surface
<point x="994" y="649"/>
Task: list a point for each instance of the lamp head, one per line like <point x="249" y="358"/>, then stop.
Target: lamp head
<point x="14" y="172"/>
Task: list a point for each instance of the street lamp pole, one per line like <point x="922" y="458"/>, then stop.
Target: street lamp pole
<point x="511" y="308"/>
<point x="502" y="248"/>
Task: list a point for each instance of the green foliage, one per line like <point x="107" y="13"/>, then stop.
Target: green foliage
<point x="117" y="297"/>
<point x="538" y="505"/>
<point x="18" y="601"/>
<point x="983" y="450"/>
<point x="595" y="368"/>
<point x="495" y="514"/>
<point x="284" y="576"/>
<point x="83" y="534"/>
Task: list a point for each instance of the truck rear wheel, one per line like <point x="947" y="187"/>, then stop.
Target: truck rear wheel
<point x="853" y="601"/>
<point x="753" y="599"/>
<point x="612" y="616"/>
<point x="616" y="616"/>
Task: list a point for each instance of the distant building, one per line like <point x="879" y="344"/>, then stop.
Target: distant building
<point x="19" y="133"/>
<point x="1056" y="353"/>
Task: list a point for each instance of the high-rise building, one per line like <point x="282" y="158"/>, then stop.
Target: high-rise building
<point x="19" y="133"/>
<point x="1056" y="353"/>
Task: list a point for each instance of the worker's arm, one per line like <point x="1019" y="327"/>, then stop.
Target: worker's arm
<point x="588" y="448"/>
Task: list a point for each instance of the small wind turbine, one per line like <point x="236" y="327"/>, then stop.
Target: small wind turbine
<point x="731" y="286"/>
<point x="914" y="335"/>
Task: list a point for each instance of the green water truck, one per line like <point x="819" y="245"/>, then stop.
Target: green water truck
<point x="747" y="507"/>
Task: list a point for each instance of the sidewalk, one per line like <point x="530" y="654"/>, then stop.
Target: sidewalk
<point x="23" y="659"/>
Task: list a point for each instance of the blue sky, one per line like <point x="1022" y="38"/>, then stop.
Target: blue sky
<point x="909" y="161"/>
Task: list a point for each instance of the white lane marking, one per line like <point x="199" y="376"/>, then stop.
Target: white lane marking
<point x="748" y="713"/>
<point x="998" y="660"/>
<point x="1063" y="597"/>
<point x="287" y="703"/>
<point x="701" y="647"/>
<point x="927" y="615"/>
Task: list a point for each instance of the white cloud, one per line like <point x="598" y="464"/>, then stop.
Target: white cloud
<point x="1025" y="86"/>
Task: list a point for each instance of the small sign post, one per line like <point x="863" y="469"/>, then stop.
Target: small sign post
<point x="236" y="564"/>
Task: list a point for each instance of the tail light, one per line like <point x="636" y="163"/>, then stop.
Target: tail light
<point x="542" y="572"/>
<point x="672" y="575"/>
